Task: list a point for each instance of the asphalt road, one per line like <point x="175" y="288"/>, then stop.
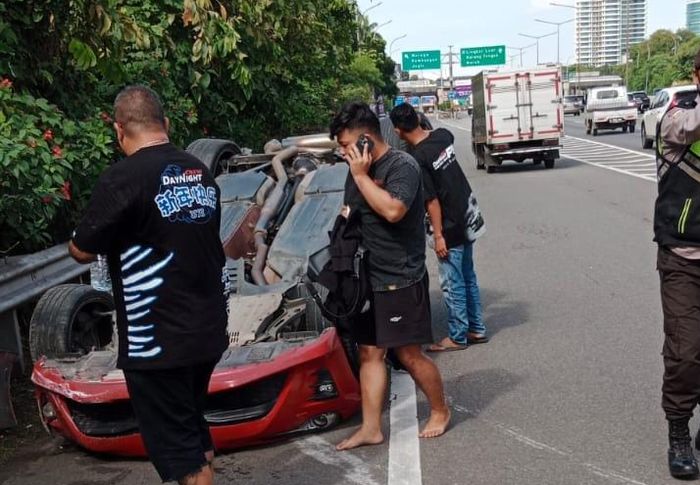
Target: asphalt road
<point x="567" y="391"/>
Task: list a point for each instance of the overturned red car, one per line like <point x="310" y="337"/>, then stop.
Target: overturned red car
<point x="287" y="370"/>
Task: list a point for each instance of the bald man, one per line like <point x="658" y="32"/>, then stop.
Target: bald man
<point x="156" y="216"/>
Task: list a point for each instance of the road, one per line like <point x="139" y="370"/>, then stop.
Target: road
<point x="567" y="391"/>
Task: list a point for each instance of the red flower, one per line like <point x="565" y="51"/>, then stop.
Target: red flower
<point x="47" y="199"/>
<point x="48" y="135"/>
<point x="66" y="190"/>
<point x="5" y="83"/>
<point x="56" y="150"/>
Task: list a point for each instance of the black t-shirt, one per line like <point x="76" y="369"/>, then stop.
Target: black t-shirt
<point x="396" y="250"/>
<point x="156" y="216"/>
<point x="444" y="179"/>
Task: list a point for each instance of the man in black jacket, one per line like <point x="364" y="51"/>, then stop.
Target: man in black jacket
<point x="384" y="187"/>
<point x="677" y="232"/>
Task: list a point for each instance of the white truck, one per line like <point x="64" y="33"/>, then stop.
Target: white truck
<point x="517" y="116"/>
<point x="608" y="109"/>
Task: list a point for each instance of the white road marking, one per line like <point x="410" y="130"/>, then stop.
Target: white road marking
<point x="610" y="157"/>
<point x="355" y="469"/>
<point x="455" y="126"/>
<point x="519" y="436"/>
<point x="404" y="447"/>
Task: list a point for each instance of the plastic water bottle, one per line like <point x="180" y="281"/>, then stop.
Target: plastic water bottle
<point x="99" y="274"/>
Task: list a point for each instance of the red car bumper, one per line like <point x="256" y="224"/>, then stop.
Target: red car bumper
<point x="304" y="388"/>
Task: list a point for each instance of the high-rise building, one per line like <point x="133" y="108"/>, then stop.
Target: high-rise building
<point x="692" y="16"/>
<point x="605" y="29"/>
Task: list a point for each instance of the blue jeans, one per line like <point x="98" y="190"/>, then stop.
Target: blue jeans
<point x="461" y="293"/>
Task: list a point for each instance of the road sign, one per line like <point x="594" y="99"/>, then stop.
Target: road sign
<point x="483" y="56"/>
<point x="420" y="60"/>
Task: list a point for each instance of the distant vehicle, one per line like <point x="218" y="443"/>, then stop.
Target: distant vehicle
<point x="573" y="105"/>
<point x="664" y="99"/>
<point x="640" y="99"/>
<point x="609" y="109"/>
<point x="517" y="115"/>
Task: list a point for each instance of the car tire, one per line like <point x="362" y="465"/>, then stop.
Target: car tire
<point x="549" y="163"/>
<point x="212" y="152"/>
<point x="647" y="143"/>
<point x="491" y="169"/>
<point x="71" y="320"/>
<point x="633" y="128"/>
<point x="536" y="161"/>
<point x="624" y="129"/>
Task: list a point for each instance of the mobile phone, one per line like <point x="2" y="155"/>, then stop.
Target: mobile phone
<point x="362" y="141"/>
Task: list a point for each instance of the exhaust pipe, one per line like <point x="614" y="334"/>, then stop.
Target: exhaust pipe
<point x="270" y="209"/>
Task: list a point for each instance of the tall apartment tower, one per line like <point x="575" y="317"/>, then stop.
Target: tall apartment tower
<point x="605" y="29"/>
<point x="692" y="16"/>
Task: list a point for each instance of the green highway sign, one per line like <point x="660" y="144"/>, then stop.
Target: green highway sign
<point x="420" y="60"/>
<point x="483" y="56"/>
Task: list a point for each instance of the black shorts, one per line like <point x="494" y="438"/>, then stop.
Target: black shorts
<point x="169" y="407"/>
<point x="397" y="318"/>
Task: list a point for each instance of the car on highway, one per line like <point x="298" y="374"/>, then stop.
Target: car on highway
<point x="640" y="100"/>
<point x="609" y="108"/>
<point x="663" y="100"/>
<point x="573" y="105"/>
<point x="287" y="370"/>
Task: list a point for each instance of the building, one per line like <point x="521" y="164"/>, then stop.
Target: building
<point x="605" y="29"/>
<point x="692" y="16"/>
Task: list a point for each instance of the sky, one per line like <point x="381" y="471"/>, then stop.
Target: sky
<point x="435" y="25"/>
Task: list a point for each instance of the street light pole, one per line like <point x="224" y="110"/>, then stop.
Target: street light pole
<point x="520" y="49"/>
<point x="370" y="8"/>
<point x="558" y="24"/>
<point x="391" y="44"/>
<point x="537" y="42"/>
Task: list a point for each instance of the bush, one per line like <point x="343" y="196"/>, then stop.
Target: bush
<point x="48" y="164"/>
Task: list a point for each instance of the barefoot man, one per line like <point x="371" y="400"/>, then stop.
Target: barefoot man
<point x="384" y="186"/>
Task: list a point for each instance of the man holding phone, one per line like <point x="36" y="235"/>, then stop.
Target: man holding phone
<point x="384" y="187"/>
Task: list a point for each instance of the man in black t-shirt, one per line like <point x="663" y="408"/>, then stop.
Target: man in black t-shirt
<point x="384" y="187"/>
<point x="156" y="216"/>
<point x="447" y="199"/>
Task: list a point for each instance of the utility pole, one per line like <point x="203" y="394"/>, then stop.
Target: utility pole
<point x="452" y="79"/>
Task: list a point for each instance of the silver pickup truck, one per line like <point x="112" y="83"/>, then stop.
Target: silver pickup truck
<point x="608" y="109"/>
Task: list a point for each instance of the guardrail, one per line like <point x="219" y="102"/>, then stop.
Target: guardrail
<point x="22" y="279"/>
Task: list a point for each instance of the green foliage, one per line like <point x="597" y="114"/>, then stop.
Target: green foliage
<point x="247" y="70"/>
<point x="665" y="59"/>
<point x="48" y="165"/>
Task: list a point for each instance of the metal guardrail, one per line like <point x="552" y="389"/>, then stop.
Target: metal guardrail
<point x="22" y="279"/>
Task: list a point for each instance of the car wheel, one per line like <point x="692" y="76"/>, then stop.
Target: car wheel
<point x="536" y="161"/>
<point x="549" y="163"/>
<point x="212" y="152"/>
<point x="624" y="129"/>
<point x="633" y="127"/>
<point x="491" y="169"/>
<point x="647" y="143"/>
<point x="71" y="320"/>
